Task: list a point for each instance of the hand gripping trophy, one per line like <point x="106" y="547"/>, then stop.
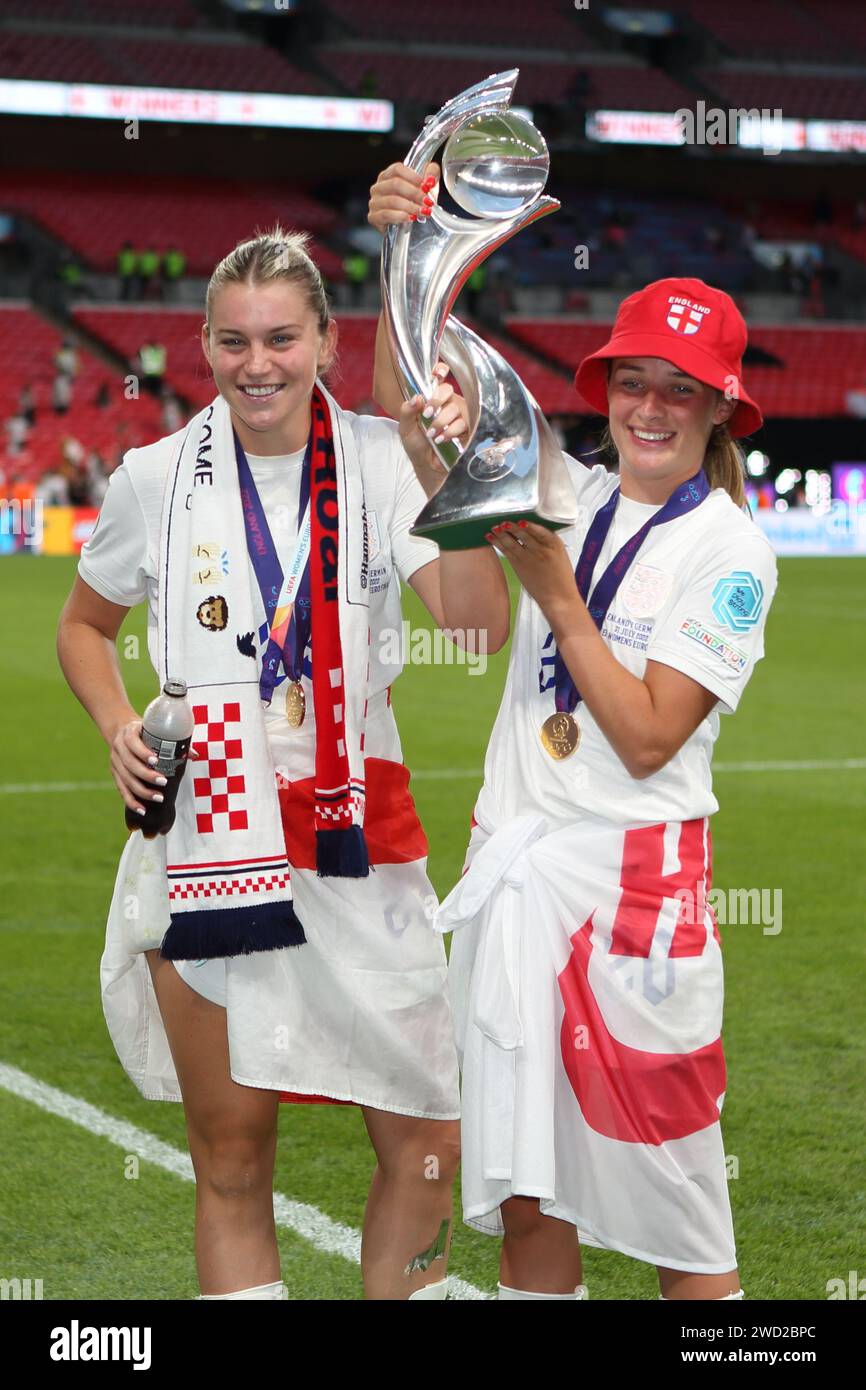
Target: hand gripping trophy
<point x="495" y="165"/>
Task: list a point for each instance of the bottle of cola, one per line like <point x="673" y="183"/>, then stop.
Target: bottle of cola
<point x="167" y="726"/>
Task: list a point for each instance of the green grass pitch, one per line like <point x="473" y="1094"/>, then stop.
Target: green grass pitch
<point x="793" y="1116"/>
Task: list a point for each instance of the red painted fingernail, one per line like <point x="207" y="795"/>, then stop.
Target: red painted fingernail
<point x="428" y="202"/>
<point x="412" y="217"/>
<point x="521" y="523"/>
<point x="489" y="536"/>
<point x="428" y="183"/>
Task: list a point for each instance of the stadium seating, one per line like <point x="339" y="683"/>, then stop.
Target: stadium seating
<point x="770" y="30"/>
<point x="187" y="371"/>
<point x="492" y="23"/>
<point x="205" y="219"/>
<point x="435" y="79"/>
<point x="121" y="424"/>
<point x="796" y="222"/>
<point x="819" y="365"/>
<point x="125" y="329"/>
<point x="796" y="96"/>
<point x="175" y="14"/>
<point x="158" y="62"/>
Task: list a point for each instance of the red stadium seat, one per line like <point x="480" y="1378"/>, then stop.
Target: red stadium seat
<point x="205" y="218"/>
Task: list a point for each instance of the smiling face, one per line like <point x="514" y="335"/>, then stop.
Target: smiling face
<point x="266" y="349"/>
<point x="660" y="421"/>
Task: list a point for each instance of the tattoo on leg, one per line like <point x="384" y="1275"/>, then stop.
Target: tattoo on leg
<point x="435" y="1252"/>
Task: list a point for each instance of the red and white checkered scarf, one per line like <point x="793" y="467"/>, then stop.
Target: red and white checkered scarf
<point x="228" y="875"/>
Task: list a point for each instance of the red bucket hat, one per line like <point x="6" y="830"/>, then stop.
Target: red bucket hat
<point x="686" y="322"/>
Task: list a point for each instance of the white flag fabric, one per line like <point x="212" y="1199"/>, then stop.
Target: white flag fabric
<point x="587" y="988"/>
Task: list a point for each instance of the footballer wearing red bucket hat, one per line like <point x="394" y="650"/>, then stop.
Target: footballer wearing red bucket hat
<point x="686" y="322"/>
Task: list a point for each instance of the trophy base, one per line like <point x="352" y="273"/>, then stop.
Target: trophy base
<point x="471" y="532"/>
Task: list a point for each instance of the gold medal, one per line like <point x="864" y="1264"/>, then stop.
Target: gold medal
<point x="296" y="704"/>
<point x="560" y="735"/>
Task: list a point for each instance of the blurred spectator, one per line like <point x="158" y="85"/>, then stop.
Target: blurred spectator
<point x="814" y="275"/>
<point x="615" y="233"/>
<point x="73" y="451"/>
<point x="61" y="393"/>
<point x="152" y="359"/>
<point x="103" y="395"/>
<point x="822" y="211"/>
<point x="79" y="485"/>
<point x="17" y="430"/>
<point x="69" y="273"/>
<point x="27" y="405"/>
<point x="66" y="358"/>
<point x="97" y="476"/>
<point x="357" y="270"/>
<point x="127" y="269"/>
<point x="172" y="415"/>
<point x="147" y="269"/>
<point x="173" y="269"/>
<point x="475" y="288"/>
<point x="576" y="94"/>
<point x="52" y="488"/>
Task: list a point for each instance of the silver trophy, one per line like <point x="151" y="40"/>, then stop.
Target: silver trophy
<point x="495" y="166"/>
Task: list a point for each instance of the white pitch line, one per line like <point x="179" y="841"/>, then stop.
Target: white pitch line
<point x="445" y="774"/>
<point x="807" y="765"/>
<point x="330" y="1237"/>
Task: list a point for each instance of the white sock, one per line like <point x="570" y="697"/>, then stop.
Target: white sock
<point x="431" y="1291"/>
<point x="275" y="1290"/>
<point x="505" y="1293"/>
<point x="739" y="1294"/>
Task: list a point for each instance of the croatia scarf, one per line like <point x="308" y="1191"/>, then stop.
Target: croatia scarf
<point x="228" y="874"/>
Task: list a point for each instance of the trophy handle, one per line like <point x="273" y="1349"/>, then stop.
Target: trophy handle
<point x="509" y="445"/>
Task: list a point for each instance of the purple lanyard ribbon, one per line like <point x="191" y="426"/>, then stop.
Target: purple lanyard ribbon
<point x="269" y="576"/>
<point x="685" y="498"/>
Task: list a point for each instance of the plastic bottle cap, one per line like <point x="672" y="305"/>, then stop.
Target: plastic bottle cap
<point x="174" y="687"/>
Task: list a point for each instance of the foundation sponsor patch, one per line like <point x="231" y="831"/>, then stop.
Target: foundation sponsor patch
<point x="719" y="646"/>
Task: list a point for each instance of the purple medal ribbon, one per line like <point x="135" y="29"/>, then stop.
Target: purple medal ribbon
<point x="269" y="576"/>
<point x="685" y="498"/>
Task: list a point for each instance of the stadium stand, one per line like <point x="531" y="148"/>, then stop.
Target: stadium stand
<point x="121" y="423"/>
<point x="156" y="62"/>
<point x="493" y="23"/>
<point x="818" y="366"/>
<point x="205" y="218"/>
<point x="175" y="14"/>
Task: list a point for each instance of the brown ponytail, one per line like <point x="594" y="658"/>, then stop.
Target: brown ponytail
<point x="724" y="464"/>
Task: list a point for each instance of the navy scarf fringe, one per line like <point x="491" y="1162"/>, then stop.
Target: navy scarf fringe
<point x="232" y="931"/>
<point x="342" y="853"/>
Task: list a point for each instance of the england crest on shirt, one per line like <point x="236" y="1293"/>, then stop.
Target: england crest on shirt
<point x="646" y="590"/>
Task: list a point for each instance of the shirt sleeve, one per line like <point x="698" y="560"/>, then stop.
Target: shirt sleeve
<point x="714" y="629"/>
<point x="114" y="560"/>
<point x="409" y="552"/>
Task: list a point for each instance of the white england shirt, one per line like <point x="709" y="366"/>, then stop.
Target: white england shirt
<point x="121" y="559"/>
<point x="360" y="1011"/>
<point x="696" y="598"/>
